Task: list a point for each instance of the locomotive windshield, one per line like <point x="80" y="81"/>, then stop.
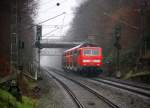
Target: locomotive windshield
<point x="91" y="52"/>
<point x="95" y="52"/>
<point x="87" y="52"/>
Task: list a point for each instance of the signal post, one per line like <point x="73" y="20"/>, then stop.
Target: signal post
<point x="117" y="44"/>
<point x="38" y="45"/>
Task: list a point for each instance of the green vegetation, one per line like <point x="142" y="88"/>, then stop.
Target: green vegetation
<point x="9" y="101"/>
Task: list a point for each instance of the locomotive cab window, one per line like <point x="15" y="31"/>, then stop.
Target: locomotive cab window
<point x="87" y="52"/>
<point x="95" y="52"/>
<point x="91" y="52"/>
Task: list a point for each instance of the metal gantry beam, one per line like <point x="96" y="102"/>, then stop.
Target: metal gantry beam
<point x="59" y="44"/>
<point x="53" y="44"/>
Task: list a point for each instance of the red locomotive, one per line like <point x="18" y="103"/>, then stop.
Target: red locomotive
<point x="85" y="58"/>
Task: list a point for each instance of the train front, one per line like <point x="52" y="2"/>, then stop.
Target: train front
<point x="91" y="59"/>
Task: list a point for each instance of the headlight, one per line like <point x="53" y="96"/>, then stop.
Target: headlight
<point x="86" y="61"/>
<point x="97" y="61"/>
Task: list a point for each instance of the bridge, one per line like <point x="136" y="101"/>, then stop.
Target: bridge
<point x="55" y="44"/>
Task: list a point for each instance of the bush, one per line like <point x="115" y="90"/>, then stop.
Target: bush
<point x="7" y="100"/>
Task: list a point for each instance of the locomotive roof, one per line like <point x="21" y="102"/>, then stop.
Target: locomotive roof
<point x="82" y="45"/>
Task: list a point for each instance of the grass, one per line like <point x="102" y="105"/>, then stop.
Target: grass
<point x="9" y="101"/>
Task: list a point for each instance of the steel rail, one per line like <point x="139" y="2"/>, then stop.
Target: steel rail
<point x="79" y="105"/>
<point x="112" y="105"/>
<point x="145" y="87"/>
<point x="125" y="86"/>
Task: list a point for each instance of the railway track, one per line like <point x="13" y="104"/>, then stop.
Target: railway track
<point x="91" y="90"/>
<point x="141" y="90"/>
<point x="72" y="95"/>
<point x="135" y="88"/>
<point x="133" y="84"/>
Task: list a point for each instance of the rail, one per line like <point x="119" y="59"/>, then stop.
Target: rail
<point x="91" y="90"/>
<point x="68" y="90"/>
<point x="145" y="91"/>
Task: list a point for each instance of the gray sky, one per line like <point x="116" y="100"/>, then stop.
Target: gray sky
<point x="49" y="9"/>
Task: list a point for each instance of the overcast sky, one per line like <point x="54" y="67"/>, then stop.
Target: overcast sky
<point x="48" y="9"/>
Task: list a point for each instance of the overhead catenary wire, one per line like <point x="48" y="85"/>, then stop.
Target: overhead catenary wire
<point x="45" y="35"/>
<point x="33" y="25"/>
<point x="107" y="14"/>
<point x="46" y="20"/>
<point x="53" y="26"/>
<point x="51" y="18"/>
<point x="25" y="19"/>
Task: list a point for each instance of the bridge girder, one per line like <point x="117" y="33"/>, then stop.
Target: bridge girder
<point x="57" y="44"/>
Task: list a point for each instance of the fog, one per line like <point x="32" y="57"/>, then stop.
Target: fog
<point x="52" y="57"/>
